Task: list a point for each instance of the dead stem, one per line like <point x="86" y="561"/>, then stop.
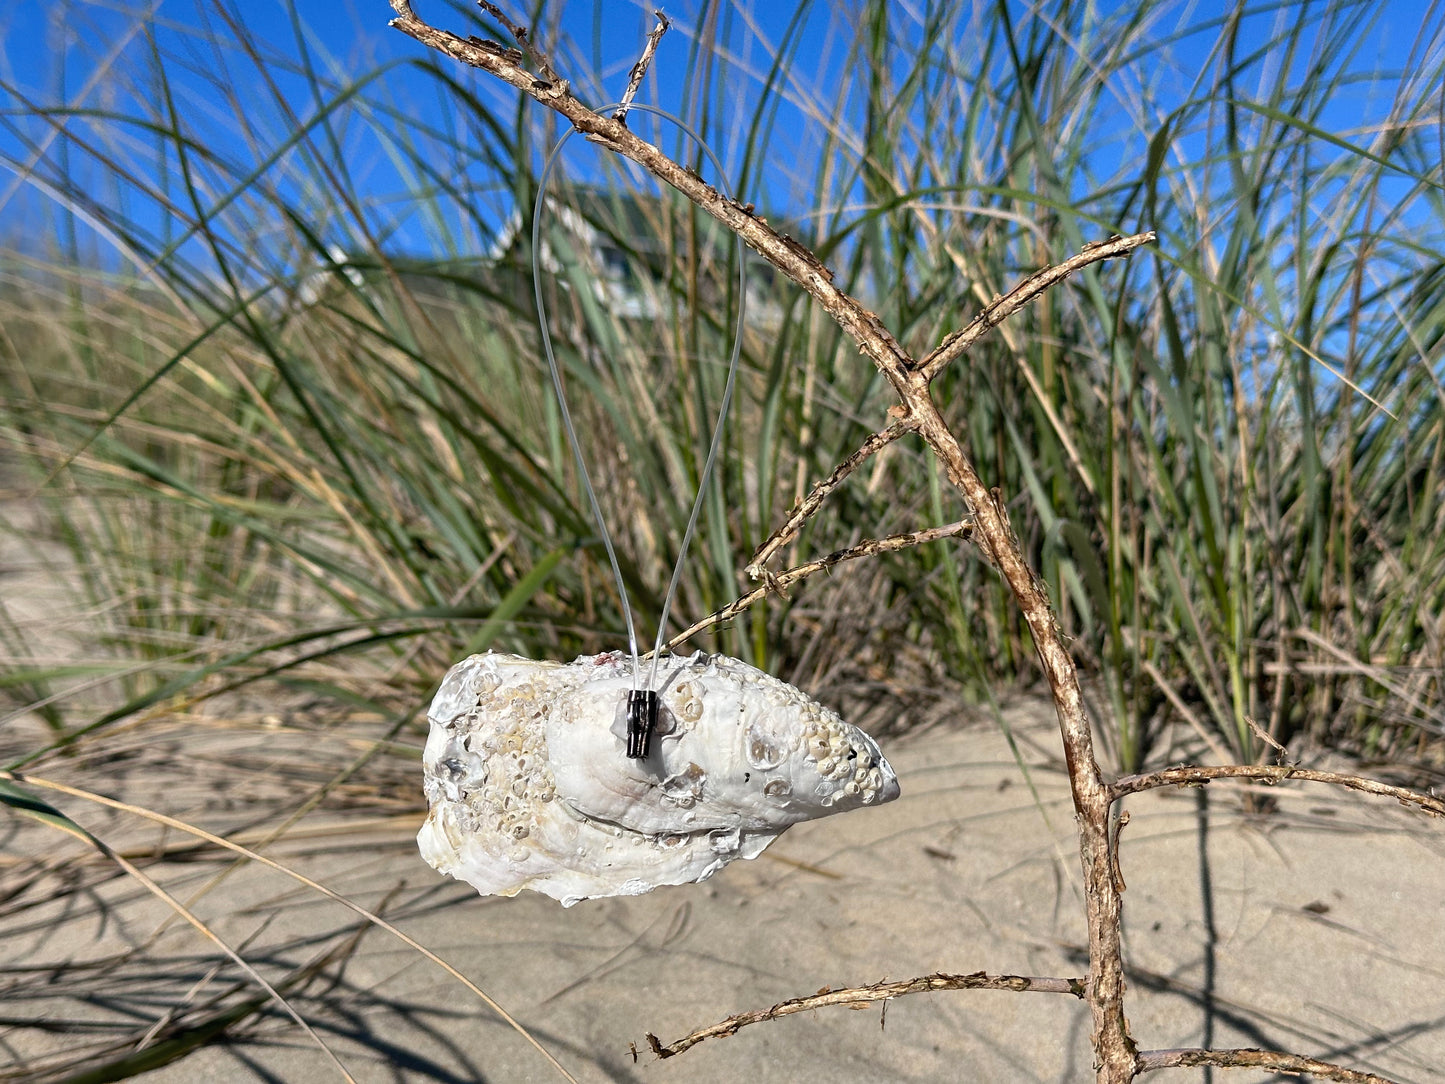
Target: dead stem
<point x="776" y="584"/>
<point x="1275" y="773"/>
<point x="862" y="995"/>
<point x="805" y="508"/>
<point x="1149" y="1060"/>
<point x="639" y="70"/>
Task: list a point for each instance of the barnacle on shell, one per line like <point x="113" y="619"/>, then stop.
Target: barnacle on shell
<point x="529" y="787"/>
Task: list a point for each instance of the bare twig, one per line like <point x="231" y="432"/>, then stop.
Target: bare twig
<point x="1281" y="753"/>
<point x="1114" y="1048"/>
<point x="814" y="500"/>
<point x="1001" y="308"/>
<point x="863" y="995"/>
<point x="634" y="80"/>
<point x="1274" y="773"/>
<point x="518" y="31"/>
<point x="1149" y="1060"/>
<point x="783" y="580"/>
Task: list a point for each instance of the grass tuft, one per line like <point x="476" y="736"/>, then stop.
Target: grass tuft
<point x="276" y="439"/>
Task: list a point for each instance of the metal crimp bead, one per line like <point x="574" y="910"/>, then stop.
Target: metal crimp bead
<point x="642" y="707"/>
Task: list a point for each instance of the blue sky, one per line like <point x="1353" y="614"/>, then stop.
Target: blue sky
<point x="98" y="56"/>
<point x="242" y="109"/>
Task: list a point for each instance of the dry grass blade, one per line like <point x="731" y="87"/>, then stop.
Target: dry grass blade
<point x="373" y="918"/>
<point x="179" y="1033"/>
<point x="55" y="819"/>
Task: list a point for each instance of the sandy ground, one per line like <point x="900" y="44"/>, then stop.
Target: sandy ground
<point x="1319" y="929"/>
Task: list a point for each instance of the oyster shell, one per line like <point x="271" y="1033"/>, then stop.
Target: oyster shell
<point x="529" y="787"/>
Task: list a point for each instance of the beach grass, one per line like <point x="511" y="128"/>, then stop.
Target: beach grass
<point x="280" y="441"/>
<point x="276" y="448"/>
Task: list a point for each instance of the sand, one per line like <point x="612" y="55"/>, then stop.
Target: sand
<point x="1318" y="928"/>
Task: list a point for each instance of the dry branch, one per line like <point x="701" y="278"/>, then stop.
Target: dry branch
<point x="814" y="500"/>
<point x="639" y="70"/>
<point x="539" y="58"/>
<point x="1113" y="1046"/>
<point x="1116" y="1056"/>
<point x="783" y="580"/>
<point x="1275" y="773"/>
<point x="862" y="995"/>
<point x="789" y="257"/>
<point x="1001" y="308"/>
<point x="1149" y="1060"/>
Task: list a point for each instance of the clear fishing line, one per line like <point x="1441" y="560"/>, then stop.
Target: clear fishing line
<point x="642" y="704"/>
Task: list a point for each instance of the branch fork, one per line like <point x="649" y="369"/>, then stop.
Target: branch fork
<point x="1117" y="1059"/>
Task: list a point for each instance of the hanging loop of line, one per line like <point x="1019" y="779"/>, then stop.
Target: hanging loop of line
<point x="643" y="701"/>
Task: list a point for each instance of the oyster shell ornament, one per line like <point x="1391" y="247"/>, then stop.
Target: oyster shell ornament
<point x="595" y="778"/>
<point x="529" y="788"/>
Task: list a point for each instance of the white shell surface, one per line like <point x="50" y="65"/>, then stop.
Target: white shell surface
<point x="530" y="787"/>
